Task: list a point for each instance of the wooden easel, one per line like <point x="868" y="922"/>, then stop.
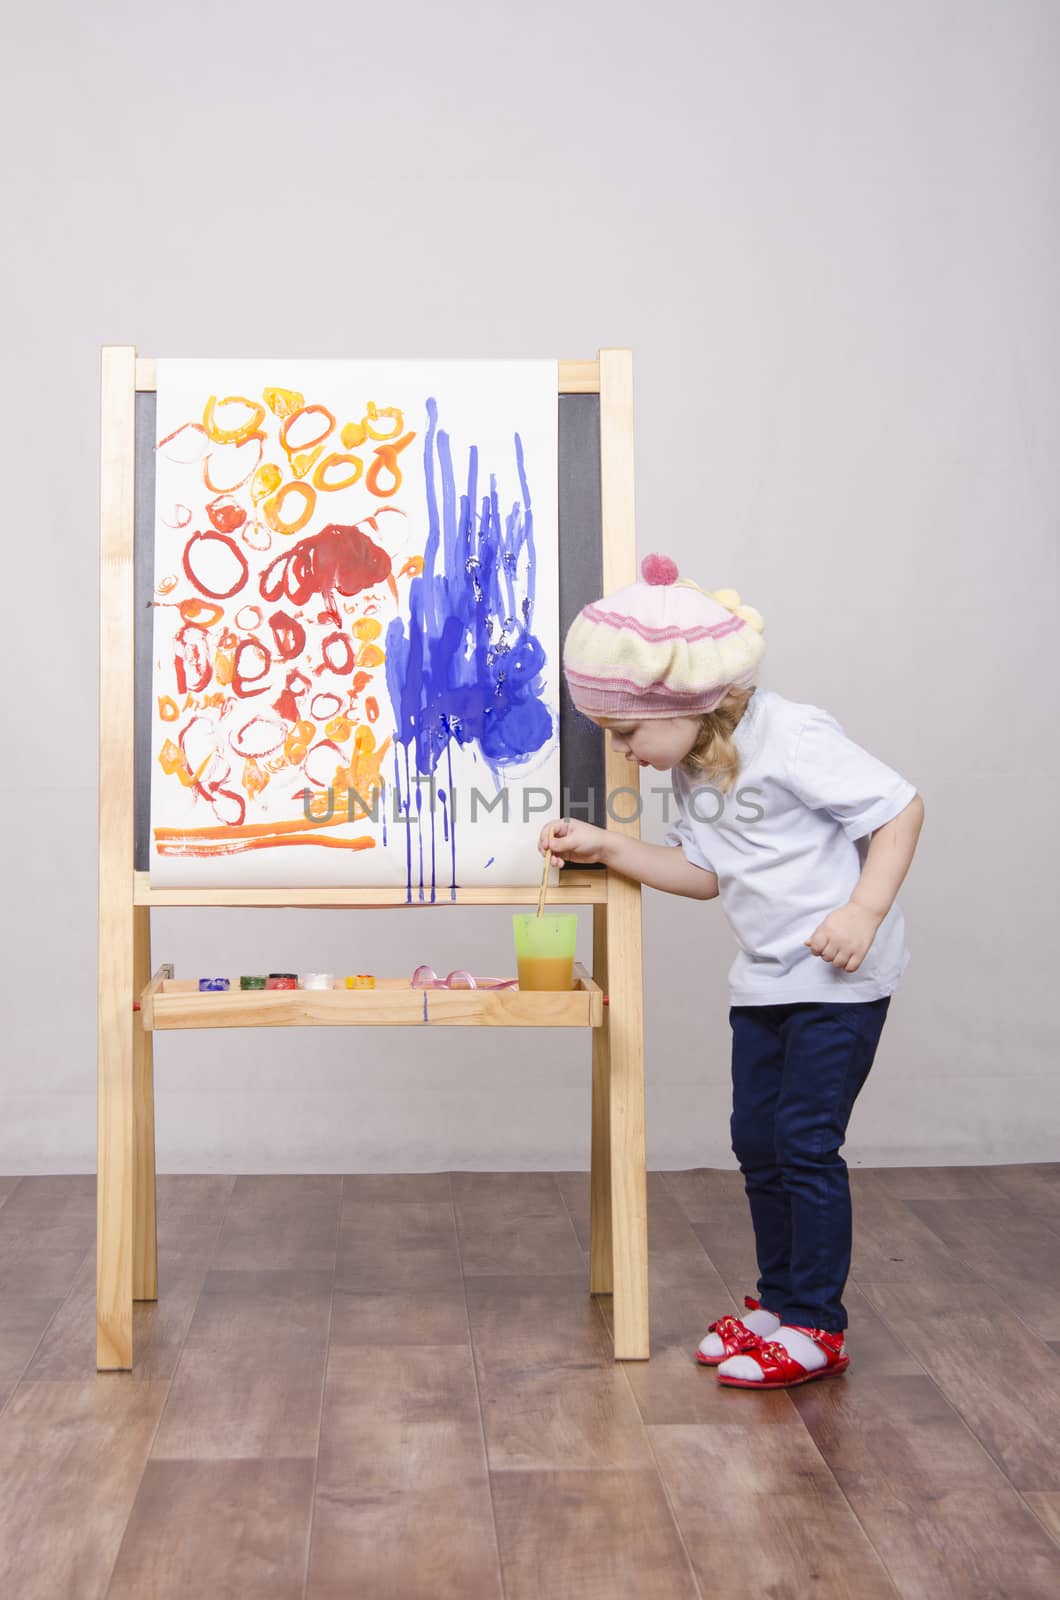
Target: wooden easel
<point x="133" y="1002"/>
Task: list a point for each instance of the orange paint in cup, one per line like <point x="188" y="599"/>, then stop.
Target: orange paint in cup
<point x="544" y="949"/>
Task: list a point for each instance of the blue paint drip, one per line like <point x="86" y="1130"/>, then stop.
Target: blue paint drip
<point x="433" y="813"/>
<point x="425" y="1017"/>
<point x="452" y="830"/>
<point x="491" y="860"/>
<point x="419" y="826"/>
<point x="408" y="830"/>
<point x="469" y="666"/>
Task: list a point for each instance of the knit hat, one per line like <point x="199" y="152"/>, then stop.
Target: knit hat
<point x="661" y="648"/>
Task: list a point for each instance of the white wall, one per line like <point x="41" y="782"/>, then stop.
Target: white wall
<point x="829" y="233"/>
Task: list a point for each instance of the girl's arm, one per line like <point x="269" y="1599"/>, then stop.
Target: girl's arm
<point x="846" y="934"/>
<point x="888" y="858"/>
<point x="660" y="866"/>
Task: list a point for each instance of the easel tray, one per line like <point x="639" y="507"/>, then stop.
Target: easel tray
<point x="168" y="1002"/>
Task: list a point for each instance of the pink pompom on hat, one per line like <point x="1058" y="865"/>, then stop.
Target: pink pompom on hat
<point x="661" y="648"/>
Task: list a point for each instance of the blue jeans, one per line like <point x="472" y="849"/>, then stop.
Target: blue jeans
<point x="796" y="1071"/>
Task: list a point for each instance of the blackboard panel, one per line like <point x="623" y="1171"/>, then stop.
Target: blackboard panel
<point x="143" y="595"/>
<point x="581" y="744"/>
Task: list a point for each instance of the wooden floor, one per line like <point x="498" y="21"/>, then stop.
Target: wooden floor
<point x="397" y="1387"/>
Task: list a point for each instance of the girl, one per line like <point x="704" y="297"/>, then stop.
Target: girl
<point x="805" y="837"/>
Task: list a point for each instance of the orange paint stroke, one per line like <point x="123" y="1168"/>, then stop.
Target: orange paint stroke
<point x="204" y="612"/>
<point x="266" y="481"/>
<point x="244" y="830"/>
<point x="224" y="666"/>
<point x="272" y="508"/>
<point x="386" y="461"/>
<point x="331" y="463"/>
<point x="296" y="745"/>
<point x="373" y="414"/>
<point x="243" y="430"/>
<point x="237" y="846"/>
<point x="362" y="774"/>
<point x="255" y="778"/>
<point x="302" y="463"/>
<point x="170" y="757"/>
<point x="283" y="402"/>
<point x="306" y="444"/>
<point x="172" y="760"/>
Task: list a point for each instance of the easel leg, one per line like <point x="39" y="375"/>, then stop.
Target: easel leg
<point x="625" y="1026"/>
<point x="114" y="1153"/>
<point x="601" y="1272"/>
<point x="117" y="941"/>
<point x="145" y="1227"/>
<point x="629" y="1199"/>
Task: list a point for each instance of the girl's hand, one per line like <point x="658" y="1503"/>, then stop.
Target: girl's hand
<point x="845" y="936"/>
<point x="574" y="841"/>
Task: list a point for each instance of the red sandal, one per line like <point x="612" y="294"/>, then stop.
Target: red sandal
<point x="780" y="1369"/>
<point x="736" y="1339"/>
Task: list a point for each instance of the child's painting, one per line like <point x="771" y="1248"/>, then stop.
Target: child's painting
<point x="356" y="623"/>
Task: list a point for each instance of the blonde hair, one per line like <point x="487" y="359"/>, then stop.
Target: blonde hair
<point x="714" y="756"/>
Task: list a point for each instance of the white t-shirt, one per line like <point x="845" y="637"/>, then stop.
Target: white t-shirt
<point x="787" y="844"/>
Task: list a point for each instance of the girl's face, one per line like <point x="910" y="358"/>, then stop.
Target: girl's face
<point x="659" y="742"/>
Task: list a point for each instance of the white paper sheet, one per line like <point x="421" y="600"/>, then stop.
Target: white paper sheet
<point x="356" y="578"/>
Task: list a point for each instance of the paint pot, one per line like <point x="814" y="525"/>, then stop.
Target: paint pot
<point x="317" y="980"/>
<point x="281" y="980"/>
<point x="360" y="980"/>
<point x="209" y="985"/>
<point x="253" y="982"/>
<point x="544" y="949"/>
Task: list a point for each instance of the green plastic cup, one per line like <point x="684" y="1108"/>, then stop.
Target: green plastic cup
<point x="544" y="949"/>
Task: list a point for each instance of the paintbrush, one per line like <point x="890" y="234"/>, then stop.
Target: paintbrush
<point x="544" y="878"/>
